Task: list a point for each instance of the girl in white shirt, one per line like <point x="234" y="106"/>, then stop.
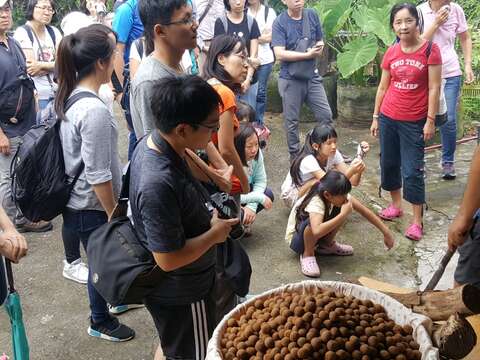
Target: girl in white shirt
<point x="319" y="155"/>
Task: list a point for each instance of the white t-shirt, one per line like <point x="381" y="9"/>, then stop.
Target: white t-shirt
<point x="308" y="167"/>
<point x="265" y="53"/>
<point x="315" y="206"/>
<point x="42" y="84"/>
<point x="186" y="61"/>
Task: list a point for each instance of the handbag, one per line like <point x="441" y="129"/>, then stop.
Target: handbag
<point x="123" y="270"/>
<point x="305" y="69"/>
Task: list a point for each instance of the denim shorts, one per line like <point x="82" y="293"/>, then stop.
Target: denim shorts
<point x="402" y="150"/>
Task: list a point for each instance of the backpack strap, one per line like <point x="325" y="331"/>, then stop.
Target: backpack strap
<point x="267" y="9"/>
<point x="139" y="46"/>
<point x="306" y="24"/>
<point x="68" y="104"/>
<point x="205" y="12"/>
<point x="51" y="32"/>
<point x="429" y="49"/>
<point x="250" y="20"/>
<point x="224" y="21"/>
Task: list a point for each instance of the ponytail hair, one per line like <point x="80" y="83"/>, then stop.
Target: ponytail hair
<point x="335" y="182"/>
<point x="76" y="58"/>
<point x="318" y="135"/>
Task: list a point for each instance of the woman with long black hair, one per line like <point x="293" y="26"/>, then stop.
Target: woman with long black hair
<point x="89" y="139"/>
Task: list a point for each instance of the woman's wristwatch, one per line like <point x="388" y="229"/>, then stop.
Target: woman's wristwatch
<point x="375" y="116"/>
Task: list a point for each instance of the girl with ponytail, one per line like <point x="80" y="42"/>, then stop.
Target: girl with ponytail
<point x="312" y="225"/>
<point x="89" y="140"/>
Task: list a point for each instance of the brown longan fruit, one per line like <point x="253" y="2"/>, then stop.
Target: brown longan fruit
<point x="333" y="316"/>
<point x="294" y="351"/>
<point x="372" y="341"/>
<point x="326" y="336"/>
<point x="356" y="355"/>
<point x="384" y="354"/>
<point x="323" y="315"/>
<point x="400" y="357"/>
<point x="266" y="329"/>
<point x="393" y="350"/>
<point x="269" y="342"/>
<point x="407" y="329"/>
<point x="301" y="341"/>
<point x="350" y="346"/>
<point x="328" y="323"/>
<point x="310" y="306"/>
<point x="359" y="330"/>
<point x="231" y="323"/>
<point x="298" y="311"/>
<point x="302" y="332"/>
<point x="417" y="355"/>
<point x="260" y="346"/>
<point x="342" y="354"/>
<point x="397" y="329"/>
<point x="414" y="345"/>
<point x="307" y="317"/>
<point x="332" y="345"/>
<point x="330" y="355"/>
<point x="289" y="357"/>
<point x="242" y="354"/>
<point x="293" y="336"/>
<point x="252" y="340"/>
<point x="334" y="331"/>
<point x="316" y="343"/>
<point x="364" y="349"/>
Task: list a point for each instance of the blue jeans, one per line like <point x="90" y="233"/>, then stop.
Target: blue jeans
<point x="250" y="97"/>
<point x="448" y="131"/>
<point x="42" y="103"/>
<point x="402" y="150"/>
<point x="263" y="73"/>
<point x="77" y="227"/>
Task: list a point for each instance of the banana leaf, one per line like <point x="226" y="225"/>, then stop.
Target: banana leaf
<point x="357" y="54"/>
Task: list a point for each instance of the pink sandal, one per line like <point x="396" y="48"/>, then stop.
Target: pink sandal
<point x="335" y="249"/>
<point x="309" y="266"/>
<point x="390" y="213"/>
<point x="414" y="232"/>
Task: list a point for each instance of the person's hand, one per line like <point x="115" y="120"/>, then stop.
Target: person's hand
<point x="222" y="226"/>
<point x="248" y="216"/>
<point x="224" y="181"/>
<point x="267" y="203"/>
<point x="315" y="51"/>
<point x="469" y="75"/>
<point x="4" y="144"/>
<point x="254" y="63"/>
<point x="34" y="68"/>
<point x="428" y="130"/>
<point x="388" y="240"/>
<point x="365" y="147"/>
<point x="441" y="17"/>
<point x="458" y="231"/>
<point x="347" y="208"/>
<point x="245" y="86"/>
<point x="357" y="166"/>
<point x="13" y="245"/>
<point x="374" y="127"/>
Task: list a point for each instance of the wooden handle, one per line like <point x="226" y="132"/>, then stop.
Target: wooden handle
<point x="441" y="269"/>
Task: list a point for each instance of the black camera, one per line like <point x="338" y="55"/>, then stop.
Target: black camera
<point x="228" y="208"/>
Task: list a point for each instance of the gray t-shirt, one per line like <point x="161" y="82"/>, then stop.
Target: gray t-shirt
<point x="149" y="70"/>
<point x="89" y="133"/>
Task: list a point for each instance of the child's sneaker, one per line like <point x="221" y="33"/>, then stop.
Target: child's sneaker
<point x="390" y="213"/>
<point x="111" y="330"/>
<point x="448" y="171"/>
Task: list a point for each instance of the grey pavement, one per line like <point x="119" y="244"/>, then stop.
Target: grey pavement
<point x="56" y="310"/>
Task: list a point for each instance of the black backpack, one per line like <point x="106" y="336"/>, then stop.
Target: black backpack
<point x="40" y="187"/>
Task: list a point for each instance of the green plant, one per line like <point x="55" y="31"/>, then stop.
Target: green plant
<point x="359" y="31"/>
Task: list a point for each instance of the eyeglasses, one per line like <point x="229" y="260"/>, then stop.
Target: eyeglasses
<point x="211" y="127"/>
<point x="189" y="21"/>
<point x="46" y="8"/>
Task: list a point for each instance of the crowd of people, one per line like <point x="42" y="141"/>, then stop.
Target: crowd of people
<point x="191" y="78"/>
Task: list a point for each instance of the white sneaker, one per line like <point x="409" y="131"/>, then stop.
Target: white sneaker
<point x="76" y="271"/>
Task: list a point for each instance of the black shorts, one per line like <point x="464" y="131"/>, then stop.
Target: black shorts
<point x="468" y="267"/>
<point x="297" y="243"/>
<point x="184" y="330"/>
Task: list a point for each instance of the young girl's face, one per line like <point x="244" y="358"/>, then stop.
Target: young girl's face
<point x="327" y="148"/>
<point x="251" y="147"/>
<point x="336" y="200"/>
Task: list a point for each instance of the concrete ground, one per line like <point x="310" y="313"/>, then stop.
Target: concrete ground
<point x="56" y="310"/>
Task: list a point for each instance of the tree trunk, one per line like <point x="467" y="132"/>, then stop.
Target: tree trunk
<point x="440" y="305"/>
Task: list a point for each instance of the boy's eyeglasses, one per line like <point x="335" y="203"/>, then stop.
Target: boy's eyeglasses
<point x="211" y="128"/>
<point x="190" y="21"/>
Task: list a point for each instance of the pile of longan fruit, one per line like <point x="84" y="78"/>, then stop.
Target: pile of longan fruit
<point x="319" y="325"/>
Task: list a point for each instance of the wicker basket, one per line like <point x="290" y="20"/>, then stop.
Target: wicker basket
<point x="395" y="310"/>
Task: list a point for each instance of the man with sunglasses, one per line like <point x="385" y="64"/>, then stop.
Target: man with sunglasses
<point x="17" y="114"/>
